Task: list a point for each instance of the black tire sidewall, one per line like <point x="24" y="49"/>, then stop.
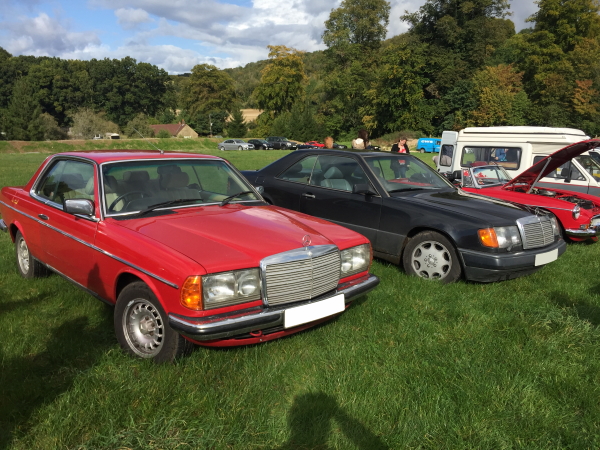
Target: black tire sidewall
<point x="456" y="270"/>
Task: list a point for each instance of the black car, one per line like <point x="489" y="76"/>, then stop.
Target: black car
<point x="281" y="143"/>
<point x="412" y="215"/>
<point x="260" y="144"/>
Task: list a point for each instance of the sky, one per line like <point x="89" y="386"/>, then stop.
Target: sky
<point x="178" y="34"/>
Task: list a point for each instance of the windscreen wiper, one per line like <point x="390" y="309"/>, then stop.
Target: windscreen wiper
<point x="179" y="201"/>
<point x="231" y="197"/>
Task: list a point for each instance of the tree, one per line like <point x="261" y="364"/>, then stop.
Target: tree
<point x="138" y="127"/>
<point x="51" y="130"/>
<point x="207" y="89"/>
<point x="237" y="126"/>
<point x="23" y="113"/>
<point x="87" y="124"/>
<point x="282" y="80"/>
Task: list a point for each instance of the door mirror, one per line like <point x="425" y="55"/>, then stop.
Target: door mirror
<point x="453" y="176"/>
<point x="260" y="189"/>
<point x="362" y="188"/>
<point x="79" y="206"/>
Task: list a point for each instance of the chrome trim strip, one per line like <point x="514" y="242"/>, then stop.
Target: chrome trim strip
<point x="93" y="247"/>
<point x="210" y="327"/>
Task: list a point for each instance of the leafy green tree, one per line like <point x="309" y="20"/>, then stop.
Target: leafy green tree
<point x="201" y="123"/>
<point x="138" y="127"/>
<point x="163" y="134"/>
<point x="51" y="130"/>
<point x="236" y="128"/>
<point x="207" y="89"/>
<point x="282" y="80"/>
<point x="22" y="114"/>
<point x="87" y="124"/>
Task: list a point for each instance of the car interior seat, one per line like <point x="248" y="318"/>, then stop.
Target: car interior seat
<point x="334" y="178"/>
<point x="175" y="184"/>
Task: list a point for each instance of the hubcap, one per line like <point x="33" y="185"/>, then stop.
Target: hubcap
<point x="431" y="260"/>
<point x="23" y="252"/>
<point x="143" y="328"/>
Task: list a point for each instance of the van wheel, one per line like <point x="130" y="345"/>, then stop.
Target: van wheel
<point x="142" y="326"/>
<point x="422" y="150"/>
<point x="431" y="256"/>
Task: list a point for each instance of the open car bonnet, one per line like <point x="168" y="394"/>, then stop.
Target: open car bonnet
<point x="554" y="161"/>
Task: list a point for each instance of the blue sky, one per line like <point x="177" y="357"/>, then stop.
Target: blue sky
<point x="178" y="34"/>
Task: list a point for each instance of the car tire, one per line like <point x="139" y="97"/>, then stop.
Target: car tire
<point x="221" y="148"/>
<point x="142" y="327"/>
<point x="430" y="255"/>
<point x="28" y="266"/>
<point x="240" y="148"/>
<point x="422" y="150"/>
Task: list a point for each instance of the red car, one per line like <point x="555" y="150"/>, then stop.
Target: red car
<point x="315" y="144"/>
<point x="577" y="213"/>
<point x="184" y="247"/>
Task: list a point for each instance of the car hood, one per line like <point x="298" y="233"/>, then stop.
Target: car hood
<point x="476" y="207"/>
<point x="230" y="237"/>
<point x="554" y="161"/>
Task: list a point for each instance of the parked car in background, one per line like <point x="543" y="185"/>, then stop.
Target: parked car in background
<point x="315" y="144"/>
<point x="235" y="144"/>
<point x="578" y="214"/>
<point x="429" y="145"/>
<point x="339" y="146"/>
<point x="281" y="143"/>
<point x="184" y="247"/>
<point x="260" y="144"/>
<point x="412" y="215"/>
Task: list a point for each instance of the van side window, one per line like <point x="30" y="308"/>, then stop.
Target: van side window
<point x="507" y="157"/>
<point x="563" y="172"/>
<point x="446" y="155"/>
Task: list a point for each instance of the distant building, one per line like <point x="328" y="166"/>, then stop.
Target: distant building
<point x="181" y="129"/>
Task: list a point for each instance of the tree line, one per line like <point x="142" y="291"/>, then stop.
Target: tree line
<point x="460" y="64"/>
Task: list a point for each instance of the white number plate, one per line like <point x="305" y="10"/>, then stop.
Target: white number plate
<point x="545" y="258"/>
<point x="313" y="311"/>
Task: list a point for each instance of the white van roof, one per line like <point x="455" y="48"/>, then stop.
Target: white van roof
<point x="521" y="131"/>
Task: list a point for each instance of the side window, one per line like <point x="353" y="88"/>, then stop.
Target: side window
<point x="507" y="157"/>
<point x="562" y="173"/>
<point x="338" y="172"/>
<point x="446" y="155"/>
<point x="301" y="171"/>
<point x="537" y="159"/>
<point x="67" y="179"/>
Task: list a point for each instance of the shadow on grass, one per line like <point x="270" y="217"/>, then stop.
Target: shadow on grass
<point x="312" y="418"/>
<point x="585" y="310"/>
<point x="30" y="381"/>
<point x="7" y="307"/>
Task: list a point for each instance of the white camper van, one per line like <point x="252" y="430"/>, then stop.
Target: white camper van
<point x="517" y="149"/>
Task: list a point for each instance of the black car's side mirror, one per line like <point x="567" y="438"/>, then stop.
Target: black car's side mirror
<point x="260" y="189"/>
<point x="80" y="206"/>
<point x="362" y="188"/>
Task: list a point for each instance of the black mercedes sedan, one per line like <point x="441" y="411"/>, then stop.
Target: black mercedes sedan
<point x="412" y="215"/>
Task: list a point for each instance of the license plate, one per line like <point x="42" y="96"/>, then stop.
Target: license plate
<point x="545" y="258"/>
<point x="313" y="311"/>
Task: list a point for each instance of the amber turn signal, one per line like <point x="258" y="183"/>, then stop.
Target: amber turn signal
<point x="488" y="237"/>
<point x="191" y="293"/>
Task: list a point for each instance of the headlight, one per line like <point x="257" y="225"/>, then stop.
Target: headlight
<point x="576" y="212"/>
<point x="221" y="289"/>
<point x="356" y="259"/>
<point x="595" y="222"/>
<point x="500" y="237"/>
<point x="555" y="227"/>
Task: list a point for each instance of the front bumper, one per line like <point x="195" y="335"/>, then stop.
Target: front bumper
<point x="582" y="234"/>
<point x="3" y="226"/>
<point x="489" y="267"/>
<point x="254" y="322"/>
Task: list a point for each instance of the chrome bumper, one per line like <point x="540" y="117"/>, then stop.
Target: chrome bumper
<point x="3" y="226"/>
<point x="578" y="233"/>
<point x="255" y="319"/>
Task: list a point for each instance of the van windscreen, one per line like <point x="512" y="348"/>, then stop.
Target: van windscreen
<point x="507" y="157"/>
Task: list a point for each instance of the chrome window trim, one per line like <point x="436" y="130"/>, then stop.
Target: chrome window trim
<point x="297" y="254"/>
<point x="93" y="247"/>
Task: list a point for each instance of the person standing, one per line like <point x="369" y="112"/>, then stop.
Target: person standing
<point x="362" y="141"/>
<point x="399" y="165"/>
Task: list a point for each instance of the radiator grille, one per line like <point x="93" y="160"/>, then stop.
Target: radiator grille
<point x="536" y="231"/>
<point x="303" y="278"/>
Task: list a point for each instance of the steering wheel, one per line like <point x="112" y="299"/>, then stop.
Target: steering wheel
<point x="123" y="197"/>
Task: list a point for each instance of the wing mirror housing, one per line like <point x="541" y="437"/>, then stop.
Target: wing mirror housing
<point x="79" y="206"/>
<point x="260" y="189"/>
<point x="363" y="188"/>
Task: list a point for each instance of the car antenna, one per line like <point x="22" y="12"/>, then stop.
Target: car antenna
<point x="162" y="152"/>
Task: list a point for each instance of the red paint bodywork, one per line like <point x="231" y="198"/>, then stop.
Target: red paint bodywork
<point x="315" y="144"/>
<point x="189" y="241"/>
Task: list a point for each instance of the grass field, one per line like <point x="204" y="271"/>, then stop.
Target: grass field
<point x="413" y="365"/>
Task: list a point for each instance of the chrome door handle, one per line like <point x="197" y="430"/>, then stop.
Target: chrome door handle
<point x="43" y="216"/>
<point x="308" y="195"/>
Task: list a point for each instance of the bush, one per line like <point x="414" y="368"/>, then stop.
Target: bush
<point x="50" y="128"/>
<point x="139" y="126"/>
<point x="163" y="134"/>
<point x="87" y="124"/>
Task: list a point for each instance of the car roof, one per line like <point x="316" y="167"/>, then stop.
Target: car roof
<point x="322" y="151"/>
<point x="102" y="156"/>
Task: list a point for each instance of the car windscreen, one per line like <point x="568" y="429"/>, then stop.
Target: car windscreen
<point x="400" y="173"/>
<point x="490" y="176"/>
<point x="133" y="186"/>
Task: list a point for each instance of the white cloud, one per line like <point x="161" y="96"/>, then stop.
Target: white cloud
<point x="130" y="18"/>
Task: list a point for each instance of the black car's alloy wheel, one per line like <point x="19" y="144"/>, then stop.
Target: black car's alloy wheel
<point x="431" y="255"/>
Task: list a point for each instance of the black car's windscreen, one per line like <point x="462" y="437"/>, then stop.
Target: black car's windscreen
<point x="399" y="173"/>
<point x="132" y="186"/>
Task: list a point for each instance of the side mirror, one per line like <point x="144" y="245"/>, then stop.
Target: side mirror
<point x="362" y="188"/>
<point x="453" y="176"/>
<point x="79" y="206"/>
<point x="260" y="189"/>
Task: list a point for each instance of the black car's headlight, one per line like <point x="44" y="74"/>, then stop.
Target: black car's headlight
<point x="221" y="289"/>
<point x="355" y="260"/>
<point x="500" y="237"/>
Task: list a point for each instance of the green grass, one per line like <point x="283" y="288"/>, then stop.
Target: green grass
<point x="412" y="365"/>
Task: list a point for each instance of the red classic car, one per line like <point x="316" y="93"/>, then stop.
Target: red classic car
<point x="577" y="213"/>
<point x="184" y="247"/>
<point x="315" y="144"/>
